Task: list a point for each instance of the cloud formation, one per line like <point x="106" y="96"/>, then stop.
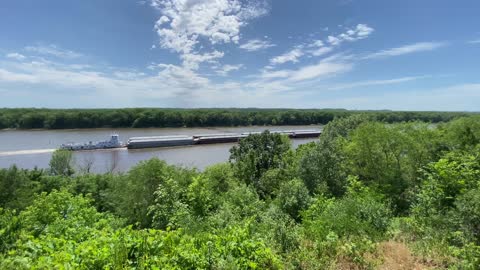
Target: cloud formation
<point x="360" y="31"/>
<point x="226" y="69"/>
<point x="407" y="49"/>
<point x="16" y="56"/>
<point x="291" y="56"/>
<point x="256" y="45"/>
<point x="52" y="50"/>
<point x="186" y="23"/>
<point x="375" y="82"/>
<point x="320" y="47"/>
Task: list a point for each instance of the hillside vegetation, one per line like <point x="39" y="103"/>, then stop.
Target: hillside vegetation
<point x="367" y="195"/>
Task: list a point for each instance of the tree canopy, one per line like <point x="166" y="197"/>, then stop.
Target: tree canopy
<point x="367" y="195"/>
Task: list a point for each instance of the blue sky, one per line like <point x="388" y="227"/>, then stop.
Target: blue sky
<point x="399" y="55"/>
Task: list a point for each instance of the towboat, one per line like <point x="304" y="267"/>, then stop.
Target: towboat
<point x="114" y="142"/>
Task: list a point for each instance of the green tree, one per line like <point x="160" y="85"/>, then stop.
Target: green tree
<point x="293" y="197"/>
<point x="389" y="157"/>
<point x="133" y="194"/>
<point x="322" y="165"/>
<point x="61" y="163"/>
<point x="256" y="154"/>
<point x="462" y="133"/>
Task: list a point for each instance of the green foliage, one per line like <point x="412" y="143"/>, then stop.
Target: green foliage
<point x="326" y="205"/>
<point x="462" y="133"/>
<point x="345" y="227"/>
<point x="97" y="186"/>
<point x="133" y="194"/>
<point x="9" y="229"/>
<point x="467" y="211"/>
<point x="16" y="188"/>
<point x="445" y="180"/>
<point x="257" y="154"/>
<point x="322" y="166"/>
<point x="445" y="213"/>
<point x="360" y="213"/>
<point x="61" y="163"/>
<point x="293" y="198"/>
<point x="390" y="156"/>
<point x="149" y="117"/>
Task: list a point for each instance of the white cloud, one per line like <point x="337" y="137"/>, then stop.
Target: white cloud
<point x="321" y="51"/>
<point x="320" y="70"/>
<point x="192" y="61"/>
<point x="226" y="69"/>
<point x="327" y="67"/>
<point x="476" y="41"/>
<point x="291" y="56"/>
<point x="53" y="50"/>
<point x="333" y="40"/>
<point x="375" y="82"/>
<point x="32" y="83"/>
<point x="318" y="48"/>
<point x="16" y="56"/>
<point x="255" y="45"/>
<point x="166" y="85"/>
<point x="407" y="49"/>
<point x="185" y="23"/>
<point x="360" y="31"/>
<point x="266" y="74"/>
<point x="316" y="43"/>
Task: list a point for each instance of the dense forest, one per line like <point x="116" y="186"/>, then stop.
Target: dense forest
<point x="141" y="118"/>
<point x="367" y="195"/>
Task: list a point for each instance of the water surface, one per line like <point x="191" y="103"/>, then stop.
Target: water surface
<point x="33" y="148"/>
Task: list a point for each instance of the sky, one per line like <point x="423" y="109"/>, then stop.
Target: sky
<point x="351" y="54"/>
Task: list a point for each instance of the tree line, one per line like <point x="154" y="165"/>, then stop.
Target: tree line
<point x="146" y="117"/>
<point x="366" y="195"/>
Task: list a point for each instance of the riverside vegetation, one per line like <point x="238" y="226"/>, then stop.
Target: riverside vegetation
<point x="150" y="117"/>
<point x="367" y="195"/>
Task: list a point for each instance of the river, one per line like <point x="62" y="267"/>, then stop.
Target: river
<point x="34" y="148"/>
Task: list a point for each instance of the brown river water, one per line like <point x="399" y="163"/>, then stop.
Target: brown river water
<point x="34" y="148"/>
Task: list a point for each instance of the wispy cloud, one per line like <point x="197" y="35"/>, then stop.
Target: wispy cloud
<point x="325" y="68"/>
<point x="407" y="49"/>
<point x="52" y="50"/>
<point x="226" y="69"/>
<point x="360" y="31"/>
<point x="321" y="51"/>
<point x="476" y="41"/>
<point x="375" y="82"/>
<point x="256" y="45"/>
<point x="16" y="56"/>
<point x="320" y="47"/>
<point x="291" y="56"/>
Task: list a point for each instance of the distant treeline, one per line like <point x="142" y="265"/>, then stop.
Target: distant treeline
<point x="29" y="118"/>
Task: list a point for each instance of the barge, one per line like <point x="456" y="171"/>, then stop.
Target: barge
<point x="159" y="141"/>
<point x="182" y="140"/>
<point x="225" y="138"/>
